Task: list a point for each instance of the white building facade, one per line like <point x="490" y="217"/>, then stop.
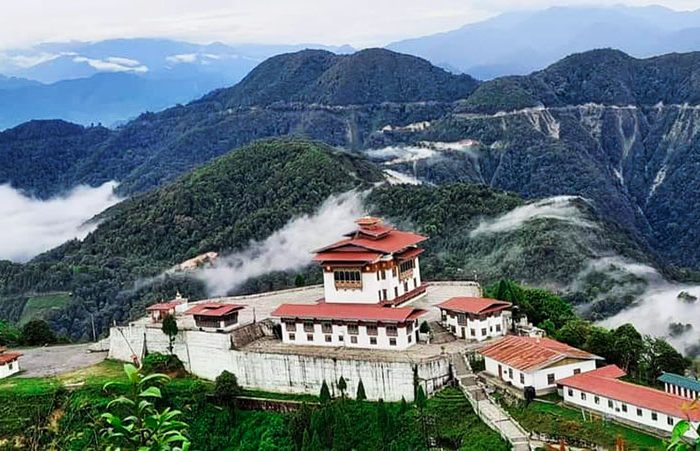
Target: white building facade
<point x="475" y="318"/>
<point x="600" y="391"/>
<point x="9" y="363"/>
<point x="367" y="277"/>
<point x="535" y="362"/>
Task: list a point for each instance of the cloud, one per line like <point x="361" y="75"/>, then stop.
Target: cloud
<point x="401" y="154"/>
<point x="182" y="58"/>
<point x="558" y="207"/>
<point x="113" y="64"/>
<point x="30" y="226"/>
<point x="287" y="249"/>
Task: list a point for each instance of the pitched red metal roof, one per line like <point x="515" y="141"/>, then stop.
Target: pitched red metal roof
<point x="531" y="353"/>
<point x="213" y="309"/>
<point x="341" y="311"/>
<point x="410" y="253"/>
<point x="347" y="256"/>
<point x="163" y="305"/>
<point x="388" y="242"/>
<point x="474" y="305"/>
<point x="604" y="382"/>
<point x="7" y="357"/>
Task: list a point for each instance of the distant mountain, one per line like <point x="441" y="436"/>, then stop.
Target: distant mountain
<point x="521" y="42"/>
<point x="366" y="77"/>
<point x="113" y="81"/>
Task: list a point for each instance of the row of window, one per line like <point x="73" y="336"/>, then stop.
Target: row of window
<point x="472" y="332"/>
<point x="682" y="391"/>
<point x="623" y="407"/>
<point x="551" y="378"/>
<point x="353" y="329"/>
<point x="353" y="339"/>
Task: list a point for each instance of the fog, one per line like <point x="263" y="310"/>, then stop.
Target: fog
<point x="287" y="249"/>
<point x="401" y="154"/>
<point x="558" y="207"/>
<point x="30" y="226"/>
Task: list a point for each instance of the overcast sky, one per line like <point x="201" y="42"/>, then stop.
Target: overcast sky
<point x="360" y="23"/>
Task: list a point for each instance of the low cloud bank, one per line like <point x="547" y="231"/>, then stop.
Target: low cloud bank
<point x="31" y="226"/>
<point x="287" y="249"/>
<point x="558" y="207"/>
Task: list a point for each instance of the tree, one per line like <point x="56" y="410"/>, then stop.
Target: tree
<point x="342" y="386"/>
<point x="299" y="280"/>
<point x="325" y="392"/>
<point x="170" y="329"/>
<point x="574" y="333"/>
<point x="142" y="426"/>
<point x="226" y="390"/>
<point x="37" y="332"/>
<point x="9" y="334"/>
<point x="421" y="403"/>
<point x="658" y="357"/>
<point x="600" y="342"/>
<point x="360" y="396"/>
<point x="627" y="345"/>
<point x="315" y="443"/>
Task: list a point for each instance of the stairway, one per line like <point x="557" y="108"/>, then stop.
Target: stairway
<point x="439" y="334"/>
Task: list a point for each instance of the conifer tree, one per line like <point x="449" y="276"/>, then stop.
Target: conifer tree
<point x="315" y="443"/>
<point x="342" y="386"/>
<point x="361" y="396"/>
<point x="325" y="393"/>
<point x="403" y="407"/>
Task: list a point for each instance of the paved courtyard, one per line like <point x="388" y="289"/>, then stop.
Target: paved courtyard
<point x="56" y="360"/>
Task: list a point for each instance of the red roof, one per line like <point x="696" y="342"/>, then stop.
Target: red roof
<point x="410" y="253"/>
<point x="341" y="311"/>
<point x="474" y="305"/>
<point x="7" y="357"/>
<point x="213" y="309"/>
<point x="532" y="353"/>
<point x="164" y="305"/>
<point x="604" y="382"/>
<point x="345" y="256"/>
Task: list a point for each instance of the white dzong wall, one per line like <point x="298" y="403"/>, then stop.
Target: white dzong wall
<point x="206" y="355"/>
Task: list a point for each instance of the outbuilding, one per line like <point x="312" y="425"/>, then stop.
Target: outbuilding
<point x="475" y="318"/>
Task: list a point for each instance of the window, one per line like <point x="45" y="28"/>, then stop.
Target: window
<point x="669" y="420"/>
<point x="383" y="274"/>
<point x="340" y="338"/>
<point x="353" y="339"/>
<point x="490" y="328"/>
<point x="352" y="329"/>
<point x="392" y="331"/>
<point x="308" y="327"/>
<point x="409" y="337"/>
<point x="655" y="416"/>
<point x="483" y="331"/>
<point x="570" y="392"/>
<point x="596" y="400"/>
<point x="510" y="373"/>
<point x="498" y="327"/>
<point x="309" y="337"/>
<point x="577" y="371"/>
<point x="550" y="379"/>
<point x="384" y="294"/>
<point x="415" y="283"/>
<point x="396" y="292"/>
<point x="405" y="287"/>
<point x="639" y="412"/>
<point x="583" y="396"/>
<point x="9" y="366"/>
<point x="371" y="330"/>
<point x="328" y="339"/>
<point x="347" y="278"/>
<point x="379" y="294"/>
<point x="624" y="407"/>
<point x="406" y="266"/>
<point x="378" y="275"/>
<point x="393" y="271"/>
<point x="292" y="337"/>
<point x="610" y="403"/>
<point x="522" y="378"/>
<point x="392" y="342"/>
<point x="327" y="328"/>
<point x="472" y="332"/>
<point x="373" y="340"/>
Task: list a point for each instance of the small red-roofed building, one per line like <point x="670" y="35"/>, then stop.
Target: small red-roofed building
<point x="475" y="318"/>
<point x="375" y="264"/>
<point x="9" y="362"/>
<point x="535" y="362"/>
<point x="351" y="325"/>
<point x="215" y="316"/>
<point x="602" y="392"/>
<point x="160" y="310"/>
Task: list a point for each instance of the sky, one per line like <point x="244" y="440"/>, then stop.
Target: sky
<point x="361" y="23"/>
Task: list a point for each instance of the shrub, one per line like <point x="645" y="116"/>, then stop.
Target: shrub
<point x="156" y="362"/>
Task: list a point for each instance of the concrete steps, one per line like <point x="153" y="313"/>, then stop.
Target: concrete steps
<point x="439" y="334"/>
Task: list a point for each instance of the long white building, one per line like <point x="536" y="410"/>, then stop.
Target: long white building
<point x="535" y="362"/>
<point x="366" y="278"/>
<point x="475" y="318"/>
<point x="601" y="391"/>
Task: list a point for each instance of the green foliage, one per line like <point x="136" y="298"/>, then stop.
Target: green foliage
<point x="325" y="395"/>
<point x="360" y="395"/>
<point x="678" y="440"/>
<point x="226" y="387"/>
<point x="9" y="334"/>
<point x="342" y="386"/>
<point x="38" y="332"/>
<point x="170" y="329"/>
<point x="144" y="426"/>
<point x="299" y="280"/>
<point x="38" y="307"/>
<point x="156" y="362"/>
